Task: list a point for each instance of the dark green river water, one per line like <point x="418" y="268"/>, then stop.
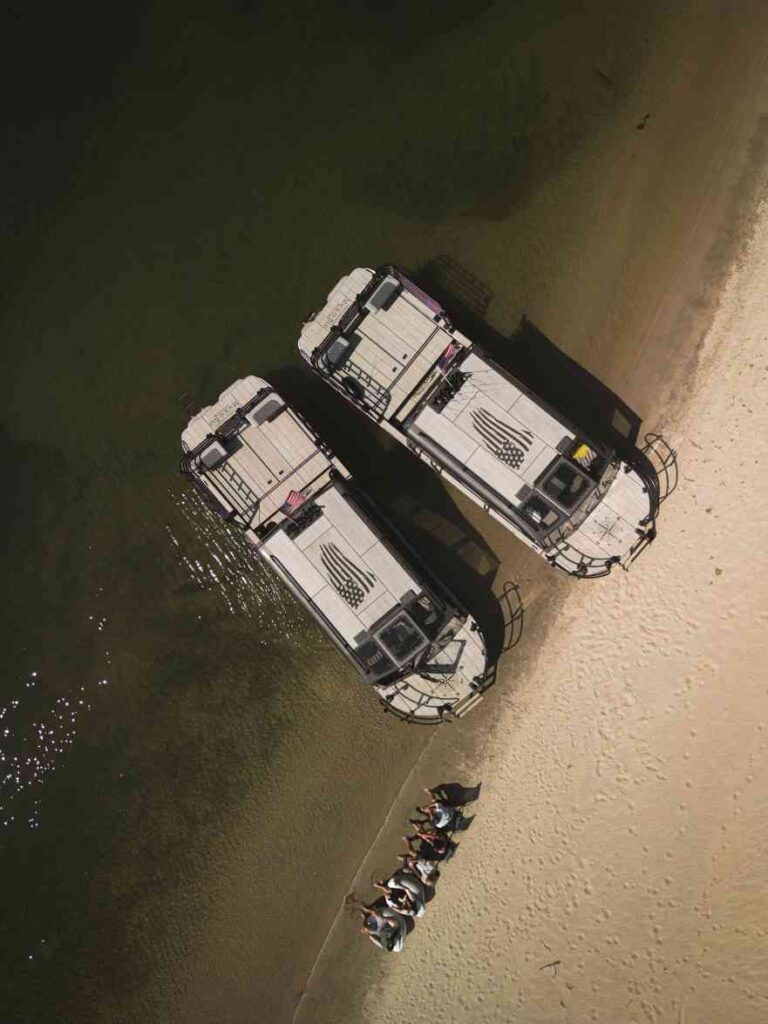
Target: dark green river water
<point x="182" y="183"/>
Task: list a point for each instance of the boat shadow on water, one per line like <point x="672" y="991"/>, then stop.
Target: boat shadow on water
<point x="552" y="375"/>
<point x="417" y="503"/>
<point x="532" y="357"/>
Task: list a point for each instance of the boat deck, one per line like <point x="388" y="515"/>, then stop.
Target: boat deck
<point x="392" y="350"/>
<point x="269" y="452"/>
<point x="265" y="467"/>
<point x="450" y="685"/>
<point x="389" y="351"/>
<point x="343" y="567"/>
<point x="493" y="430"/>
<point x="615" y="528"/>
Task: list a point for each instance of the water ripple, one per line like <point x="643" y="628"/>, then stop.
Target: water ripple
<point x="36" y="736"/>
<point x="218" y="559"/>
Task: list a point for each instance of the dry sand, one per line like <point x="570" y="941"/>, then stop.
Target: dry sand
<point x="615" y="871"/>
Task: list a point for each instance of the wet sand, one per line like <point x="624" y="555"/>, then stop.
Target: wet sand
<point x="614" y="868"/>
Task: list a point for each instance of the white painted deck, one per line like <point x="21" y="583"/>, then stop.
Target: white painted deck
<point x="494" y="430"/>
<point x="340" y="552"/>
<point x="274" y="458"/>
<point x="393" y="348"/>
<point x="610" y="531"/>
<point x="427" y="697"/>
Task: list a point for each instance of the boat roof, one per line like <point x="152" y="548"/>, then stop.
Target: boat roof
<point x="493" y="430"/>
<point x="401" y="351"/>
<point x="259" y="459"/>
<point x="343" y="565"/>
<point x="251" y="451"/>
<point x="396" y="335"/>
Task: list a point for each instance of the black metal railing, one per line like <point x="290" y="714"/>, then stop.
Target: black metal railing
<point x="513" y="614"/>
<point x="218" y="501"/>
<point x="351" y="315"/>
<point x="570" y="560"/>
<point x="215" y="495"/>
<point x="663" y="459"/>
<point x="442" y="706"/>
<point x="284" y="480"/>
<point x="656" y="465"/>
<point x="417" y="292"/>
<point x="209" y="499"/>
<point x="376" y="396"/>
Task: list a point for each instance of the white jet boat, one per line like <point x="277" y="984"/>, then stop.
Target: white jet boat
<point x="261" y="466"/>
<point x="393" y="352"/>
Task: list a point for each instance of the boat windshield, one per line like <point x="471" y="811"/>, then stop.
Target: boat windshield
<point x="539" y="513"/>
<point x="402" y="638"/>
<point x="566" y="484"/>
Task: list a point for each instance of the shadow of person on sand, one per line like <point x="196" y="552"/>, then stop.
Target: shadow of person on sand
<point x="456" y="795"/>
<point x="462" y="822"/>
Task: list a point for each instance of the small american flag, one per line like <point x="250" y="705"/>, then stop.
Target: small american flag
<point x="448" y="355"/>
<point x="294" y="500"/>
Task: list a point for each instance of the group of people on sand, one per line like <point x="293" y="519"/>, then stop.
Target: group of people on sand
<point x="388" y="919"/>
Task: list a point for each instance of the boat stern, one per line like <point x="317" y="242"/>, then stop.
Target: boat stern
<point x="318" y="326"/>
<point x="614" y="533"/>
<point x="448" y="682"/>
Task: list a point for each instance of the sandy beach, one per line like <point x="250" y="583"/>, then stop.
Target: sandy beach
<point x="615" y="867"/>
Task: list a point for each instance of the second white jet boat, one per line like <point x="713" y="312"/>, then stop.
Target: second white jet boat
<point x="261" y="466"/>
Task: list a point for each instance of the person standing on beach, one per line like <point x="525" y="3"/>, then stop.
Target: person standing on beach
<point x="432" y="844"/>
<point x="437" y="812"/>
<point x="422" y="867"/>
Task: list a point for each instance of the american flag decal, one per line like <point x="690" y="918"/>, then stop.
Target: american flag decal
<point x="347" y="579"/>
<point x="506" y="442"/>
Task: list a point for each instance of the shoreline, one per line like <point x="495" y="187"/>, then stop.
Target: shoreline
<point x="348" y="985"/>
<point x="590" y="279"/>
<point x="177" y="205"/>
<point x="617" y="834"/>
